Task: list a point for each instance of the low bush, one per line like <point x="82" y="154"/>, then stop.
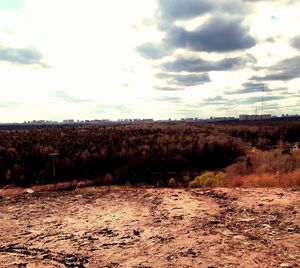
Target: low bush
<point x="172" y="183"/>
<point x="208" y="179"/>
<point x="186" y="181"/>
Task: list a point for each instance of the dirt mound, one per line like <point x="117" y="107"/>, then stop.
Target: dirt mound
<point x="96" y="227"/>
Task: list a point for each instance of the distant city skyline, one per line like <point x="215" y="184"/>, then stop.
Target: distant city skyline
<point x="240" y="117"/>
<point x="155" y="59"/>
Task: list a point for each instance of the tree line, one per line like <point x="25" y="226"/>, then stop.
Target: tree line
<point x="133" y="154"/>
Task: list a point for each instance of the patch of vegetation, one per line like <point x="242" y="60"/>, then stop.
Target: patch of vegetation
<point x="161" y="155"/>
<point x="114" y="155"/>
<point x="208" y="179"/>
<point x="172" y="183"/>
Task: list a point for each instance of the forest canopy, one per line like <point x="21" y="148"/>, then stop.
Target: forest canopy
<point x="149" y="154"/>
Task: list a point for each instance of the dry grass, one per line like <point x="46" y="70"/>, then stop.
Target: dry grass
<point x="291" y="179"/>
<point x="265" y="169"/>
<point x="11" y="191"/>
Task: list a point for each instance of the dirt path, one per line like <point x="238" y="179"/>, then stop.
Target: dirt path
<point x="96" y="227"/>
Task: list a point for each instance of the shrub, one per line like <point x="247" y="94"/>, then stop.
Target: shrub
<point x="186" y="180"/>
<point x="8" y="176"/>
<point x="220" y="178"/>
<point x="160" y="183"/>
<point x="208" y="179"/>
<point x="172" y="183"/>
<point x="194" y="184"/>
<point x="291" y="179"/>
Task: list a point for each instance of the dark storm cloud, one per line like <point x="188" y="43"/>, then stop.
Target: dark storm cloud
<point x="295" y="42"/>
<point x="21" y="56"/>
<point x="170" y="10"/>
<point x="63" y="96"/>
<point x="185" y="80"/>
<point x="219" y="34"/>
<point x="284" y="70"/>
<point x="280" y="76"/>
<point x="226" y="102"/>
<point x="253" y="100"/>
<point x="249" y="87"/>
<point x="199" y="65"/>
<point x="276" y="107"/>
<point x="222" y="32"/>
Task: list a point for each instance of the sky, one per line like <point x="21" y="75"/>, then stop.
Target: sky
<point x="160" y="59"/>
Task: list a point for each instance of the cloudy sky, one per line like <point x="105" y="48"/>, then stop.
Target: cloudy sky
<point x="87" y="59"/>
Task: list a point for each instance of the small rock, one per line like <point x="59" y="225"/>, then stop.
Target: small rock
<point x="239" y="237"/>
<point x="214" y="221"/>
<point x="226" y="233"/>
<point x="136" y="232"/>
<point x="293" y="230"/>
<point x="192" y="253"/>
<point x="29" y="191"/>
<point x="280" y="195"/>
<point x="286" y="265"/>
<point x="247" y="220"/>
<point x="230" y="209"/>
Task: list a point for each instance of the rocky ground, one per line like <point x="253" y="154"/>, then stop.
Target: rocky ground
<point x="139" y="228"/>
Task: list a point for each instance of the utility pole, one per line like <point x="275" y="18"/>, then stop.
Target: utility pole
<point x="262" y="101"/>
<point x="53" y="166"/>
<point x="261" y="117"/>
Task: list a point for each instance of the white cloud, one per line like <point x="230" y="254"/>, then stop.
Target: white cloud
<point x="89" y="47"/>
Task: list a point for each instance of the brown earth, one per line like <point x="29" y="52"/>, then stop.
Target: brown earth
<point x="108" y="227"/>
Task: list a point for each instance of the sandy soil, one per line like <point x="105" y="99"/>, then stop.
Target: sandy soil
<point x="139" y="228"/>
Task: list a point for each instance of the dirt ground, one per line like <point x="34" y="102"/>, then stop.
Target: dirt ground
<point x="139" y="228"/>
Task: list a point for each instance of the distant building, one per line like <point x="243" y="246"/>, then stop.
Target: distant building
<point x="40" y="122"/>
<point x="147" y="121"/>
<point x="143" y="121"/>
<point x="253" y="117"/>
<point x="187" y="119"/>
<point x="222" y="118"/>
<point x="100" y="121"/>
<point x="68" y="121"/>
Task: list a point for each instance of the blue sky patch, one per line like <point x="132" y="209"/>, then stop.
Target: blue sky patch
<point x="11" y="4"/>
